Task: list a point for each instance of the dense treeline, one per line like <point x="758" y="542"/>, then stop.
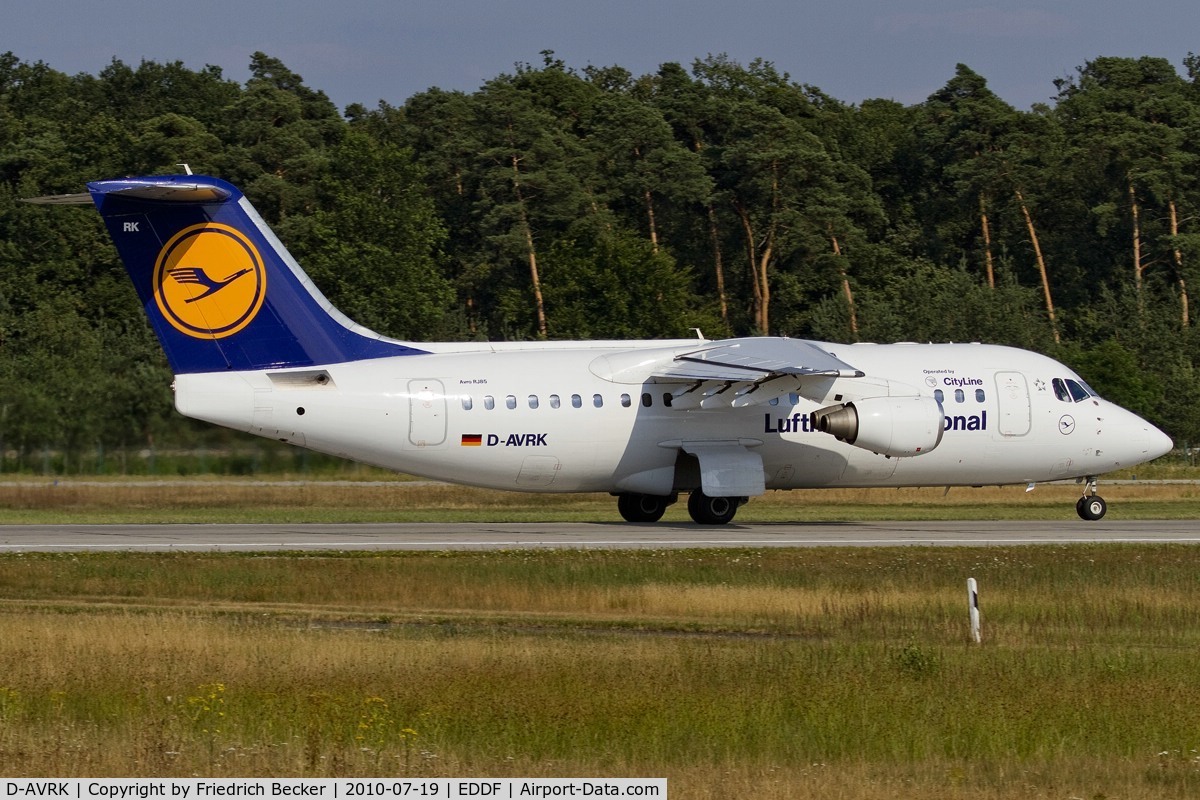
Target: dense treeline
<point x="598" y="204"/>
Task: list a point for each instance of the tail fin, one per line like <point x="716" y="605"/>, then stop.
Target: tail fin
<point x="221" y="291"/>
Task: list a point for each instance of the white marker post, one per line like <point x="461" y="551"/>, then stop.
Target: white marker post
<point x="973" y="605"/>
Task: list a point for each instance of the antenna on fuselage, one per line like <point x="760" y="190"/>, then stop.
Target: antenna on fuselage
<point x="186" y="169"/>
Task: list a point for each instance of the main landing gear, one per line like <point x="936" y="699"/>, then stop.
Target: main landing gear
<point x="1091" y="506"/>
<point x="643" y="507"/>
<point x="707" y="510"/>
<point x="703" y="509"/>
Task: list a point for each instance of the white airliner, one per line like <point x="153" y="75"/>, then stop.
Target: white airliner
<point x="256" y="347"/>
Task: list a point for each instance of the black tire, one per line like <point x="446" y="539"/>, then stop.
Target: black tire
<point x="1092" y="508"/>
<point x="642" y="507"/>
<point x="707" y="510"/>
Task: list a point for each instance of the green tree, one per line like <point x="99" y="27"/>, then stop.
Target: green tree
<point x="279" y="132"/>
<point x="616" y="285"/>
<point x="374" y="244"/>
<point x="641" y="164"/>
<point x="1129" y="122"/>
<point x="532" y="185"/>
<point x="975" y="156"/>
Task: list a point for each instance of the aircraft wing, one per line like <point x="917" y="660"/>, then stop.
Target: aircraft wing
<point x="731" y="371"/>
<point x="754" y="359"/>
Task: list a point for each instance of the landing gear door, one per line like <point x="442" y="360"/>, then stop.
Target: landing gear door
<point x="427" y="413"/>
<point x="727" y="469"/>
<point x="1012" y="397"/>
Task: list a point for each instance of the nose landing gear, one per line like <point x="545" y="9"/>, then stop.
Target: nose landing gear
<point x="1091" y="506"/>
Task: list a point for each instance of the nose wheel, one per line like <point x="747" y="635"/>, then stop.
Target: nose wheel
<point x="1091" y="506"/>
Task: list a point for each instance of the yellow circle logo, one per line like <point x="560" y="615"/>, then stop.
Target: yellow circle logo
<point x="209" y="281"/>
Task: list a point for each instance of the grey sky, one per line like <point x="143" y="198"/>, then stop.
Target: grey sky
<point x="367" y="50"/>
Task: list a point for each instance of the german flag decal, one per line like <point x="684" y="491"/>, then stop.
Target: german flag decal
<point x="472" y="439"/>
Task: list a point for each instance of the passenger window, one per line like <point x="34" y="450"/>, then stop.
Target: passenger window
<point x="979" y="396"/>
<point x="1078" y="393"/>
<point x="576" y="401"/>
<point x="467" y="402"/>
<point x="647" y="400"/>
<point x="774" y="401"/>
<point x="960" y="396"/>
<point x="533" y="401"/>
<point x="554" y="401"/>
<point x="1060" y="390"/>
<point x="667" y="398"/>
<point x="939" y="396"/>
<point x="598" y="401"/>
<point x="626" y="401"/>
<point x="489" y="402"/>
<point x="794" y="398"/>
<point x="510" y="401"/>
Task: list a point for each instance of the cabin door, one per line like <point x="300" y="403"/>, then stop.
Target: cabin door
<point x="1012" y="396"/>
<point x="427" y="413"/>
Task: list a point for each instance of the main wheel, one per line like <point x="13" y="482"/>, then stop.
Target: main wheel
<point x="642" y="507"/>
<point x="711" y="510"/>
<point x="1091" y="508"/>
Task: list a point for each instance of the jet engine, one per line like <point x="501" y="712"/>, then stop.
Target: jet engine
<point x="890" y="426"/>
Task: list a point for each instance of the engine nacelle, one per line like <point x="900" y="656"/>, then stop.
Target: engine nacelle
<point x="891" y="426"/>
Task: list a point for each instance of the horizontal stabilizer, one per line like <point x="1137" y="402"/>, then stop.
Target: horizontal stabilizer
<point x="81" y="199"/>
<point x="164" y="192"/>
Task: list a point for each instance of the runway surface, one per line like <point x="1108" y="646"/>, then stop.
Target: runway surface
<point x="500" y="536"/>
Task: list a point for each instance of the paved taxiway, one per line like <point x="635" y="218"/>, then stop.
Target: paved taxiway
<point x="615" y="535"/>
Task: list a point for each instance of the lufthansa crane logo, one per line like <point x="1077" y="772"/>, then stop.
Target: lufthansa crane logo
<point x="209" y="281"/>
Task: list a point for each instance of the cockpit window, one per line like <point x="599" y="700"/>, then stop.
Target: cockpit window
<point x="1078" y="393"/>
<point x="1070" y="390"/>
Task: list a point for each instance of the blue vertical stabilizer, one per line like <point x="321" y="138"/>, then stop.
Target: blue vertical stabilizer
<point x="221" y="291"/>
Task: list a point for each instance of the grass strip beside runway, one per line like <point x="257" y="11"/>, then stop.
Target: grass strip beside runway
<point x="208" y="501"/>
<point x="764" y="673"/>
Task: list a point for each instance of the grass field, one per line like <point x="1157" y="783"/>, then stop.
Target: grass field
<point x="119" y="501"/>
<point x="842" y="673"/>
<point x="772" y="674"/>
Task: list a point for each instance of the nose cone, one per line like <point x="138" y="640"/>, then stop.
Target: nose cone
<point x="1137" y="440"/>
<point x="1157" y="442"/>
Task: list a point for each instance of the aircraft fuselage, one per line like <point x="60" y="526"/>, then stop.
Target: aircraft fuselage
<point x="555" y="418"/>
<point x="255" y="346"/>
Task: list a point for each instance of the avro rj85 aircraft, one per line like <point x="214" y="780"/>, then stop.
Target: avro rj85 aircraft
<point x="255" y="346"/>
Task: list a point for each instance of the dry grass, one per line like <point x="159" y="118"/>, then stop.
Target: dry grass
<point x="168" y="694"/>
<point x="771" y="674"/>
<point x="349" y="501"/>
